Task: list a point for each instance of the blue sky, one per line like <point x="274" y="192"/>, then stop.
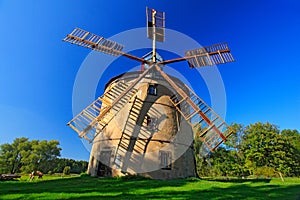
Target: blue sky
<point x="38" y="70"/>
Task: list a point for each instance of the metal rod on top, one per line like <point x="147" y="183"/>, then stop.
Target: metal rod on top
<point x="154" y="37"/>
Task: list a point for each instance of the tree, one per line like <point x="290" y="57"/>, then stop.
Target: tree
<point x="26" y="156"/>
<point x="293" y="136"/>
<point x="233" y="144"/>
<point x="227" y="160"/>
<point x="76" y="167"/>
<point x="259" y="149"/>
<point x="202" y="166"/>
<point x="11" y="155"/>
<point x="42" y="155"/>
<point x="263" y="146"/>
<point x="235" y="140"/>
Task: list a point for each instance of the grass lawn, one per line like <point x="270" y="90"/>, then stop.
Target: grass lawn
<point x="75" y="187"/>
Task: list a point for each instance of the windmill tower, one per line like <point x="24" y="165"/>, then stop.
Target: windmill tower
<point x="145" y="121"/>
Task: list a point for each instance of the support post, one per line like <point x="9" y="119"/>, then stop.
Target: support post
<point x="154" y="36"/>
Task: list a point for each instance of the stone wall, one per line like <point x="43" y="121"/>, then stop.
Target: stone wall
<point x="155" y="140"/>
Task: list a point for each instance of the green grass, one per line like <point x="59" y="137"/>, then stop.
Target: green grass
<point x="75" y="187"/>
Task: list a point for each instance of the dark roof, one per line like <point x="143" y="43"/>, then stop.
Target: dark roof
<point x="135" y="74"/>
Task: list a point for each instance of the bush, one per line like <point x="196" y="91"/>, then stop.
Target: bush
<point x="50" y="172"/>
<point x="192" y="179"/>
<point x="265" y="172"/>
<point x="67" y="170"/>
<point x="83" y="174"/>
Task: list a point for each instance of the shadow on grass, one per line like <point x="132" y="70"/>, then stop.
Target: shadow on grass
<point x="239" y="180"/>
<point x="91" y="188"/>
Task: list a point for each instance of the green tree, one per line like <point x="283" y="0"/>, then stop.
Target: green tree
<point x="233" y="144"/>
<point x="12" y="155"/>
<point x="263" y="146"/>
<point x="26" y="156"/>
<point x="293" y="136"/>
<point x="75" y="166"/>
<point x="227" y="160"/>
<point x="42" y="155"/>
<point x="202" y="166"/>
<point x="235" y="140"/>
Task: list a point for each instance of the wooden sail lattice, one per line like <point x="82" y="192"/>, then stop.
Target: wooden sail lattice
<point x="204" y="121"/>
<point x="88" y="124"/>
<point x="92" y="41"/>
<point x="210" y="55"/>
<point x="86" y="39"/>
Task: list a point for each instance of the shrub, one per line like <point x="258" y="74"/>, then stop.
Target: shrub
<point x="265" y="172"/>
<point x="83" y="174"/>
<point x="192" y="179"/>
<point x="67" y="170"/>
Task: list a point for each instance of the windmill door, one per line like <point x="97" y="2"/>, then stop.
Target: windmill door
<point x="104" y="163"/>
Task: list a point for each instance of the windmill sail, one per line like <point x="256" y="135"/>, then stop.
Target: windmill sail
<point x="204" y="121"/>
<point x="89" y="40"/>
<point x="86" y="123"/>
<point x="208" y="56"/>
<point x="92" y="120"/>
<point x="87" y="127"/>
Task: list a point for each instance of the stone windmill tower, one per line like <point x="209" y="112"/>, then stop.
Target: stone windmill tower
<point x="145" y="121"/>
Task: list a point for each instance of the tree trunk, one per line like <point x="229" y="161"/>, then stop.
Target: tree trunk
<point x="12" y="168"/>
<point x="280" y="174"/>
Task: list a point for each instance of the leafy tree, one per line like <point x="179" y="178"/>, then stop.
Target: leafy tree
<point x="227" y="160"/>
<point x="221" y="162"/>
<point x="203" y="167"/>
<point x="46" y="153"/>
<point x="12" y="155"/>
<point x="263" y="146"/>
<point x="293" y="136"/>
<point x="233" y="144"/>
<point x="75" y="166"/>
<point x="26" y="156"/>
<point x="235" y="140"/>
<point x="260" y="149"/>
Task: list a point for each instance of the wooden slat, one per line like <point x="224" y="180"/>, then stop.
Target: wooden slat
<point x="203" y="110"/>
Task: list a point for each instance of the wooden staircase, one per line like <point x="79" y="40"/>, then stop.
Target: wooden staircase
<point x="135" y="136"/>
<point x="128" y="131"/>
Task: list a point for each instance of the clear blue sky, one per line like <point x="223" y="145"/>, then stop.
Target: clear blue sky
<point x="38" y="70"/>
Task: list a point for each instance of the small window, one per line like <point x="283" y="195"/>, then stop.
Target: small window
<point x="151" y="123"/>
<point x="152" y="90"/>
<point x="92" y="160"/>
<point x="148" y="120"/>
<point x="118" y="161"/>
<point x="165" y="160"/>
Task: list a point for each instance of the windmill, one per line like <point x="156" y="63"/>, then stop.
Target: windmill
<point x="145" y="121"/>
